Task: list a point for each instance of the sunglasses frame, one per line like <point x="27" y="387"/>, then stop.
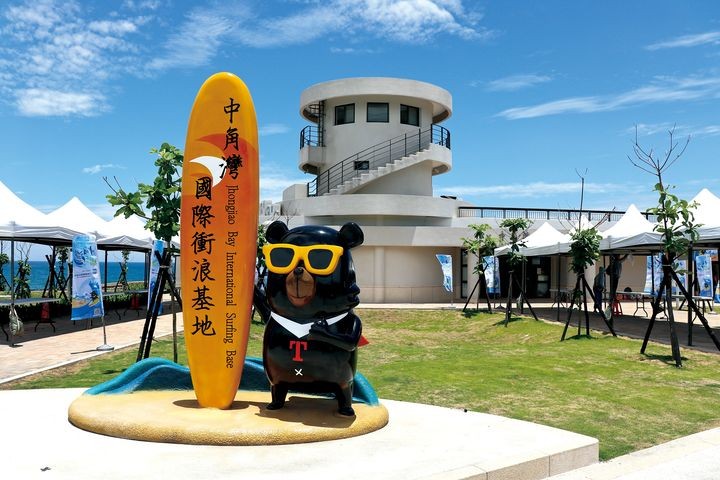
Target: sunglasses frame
<point x="302" y="253"/>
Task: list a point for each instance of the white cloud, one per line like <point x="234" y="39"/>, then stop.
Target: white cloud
<point x="273" y="129"/>
<point x="406" y="21"/>
<point x="79" y="48"/>
<point x="274" y="180"/>
<point x="141" y="5"/>
<point x="649" y="129"/>
<point x="352" y="50"/>
<point x="662" y="91"/>
<point x="55" y="62"/>
<point x="95" y="169"/>
<point x="196" y="41"/>
<point x="694" y="40"/>
<point x="516" y="82"/>
<point x="38" y="102"/>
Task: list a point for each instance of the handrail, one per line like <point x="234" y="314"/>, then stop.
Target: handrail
<point x="377" y="156"/>
<point x="543" y="213"/>
<point x="311" y="136"/>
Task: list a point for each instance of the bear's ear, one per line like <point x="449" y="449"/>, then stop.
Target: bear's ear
<point x="275" y="231"/>
<point x="351" y="235"/>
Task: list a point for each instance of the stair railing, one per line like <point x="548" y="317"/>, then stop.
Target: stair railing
<point x="377" y="156"/>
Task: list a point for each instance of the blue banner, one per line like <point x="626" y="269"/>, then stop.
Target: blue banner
<point x="492" y="274"/>
<point x="703" y="267"/>
<point x="159" y="247"/>
<point x="446" y="265"/>
<point x="87" y="301"/>
<point x="680" y="265"/>
<point x="653" y="273"/>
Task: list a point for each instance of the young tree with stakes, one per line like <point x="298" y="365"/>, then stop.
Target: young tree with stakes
<point x="481" y="245"/>
<point x="584" y="250"/>
<point x="676" y="224"/>
<point x="515" y="228"/>
<point x="162" y="199"/>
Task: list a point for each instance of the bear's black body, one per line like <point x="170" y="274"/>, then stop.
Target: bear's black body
<point x="311" y="336"/>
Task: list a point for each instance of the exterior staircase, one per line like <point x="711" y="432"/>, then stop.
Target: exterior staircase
<point x="379" y="160"/>
<point x="357" y="182"/>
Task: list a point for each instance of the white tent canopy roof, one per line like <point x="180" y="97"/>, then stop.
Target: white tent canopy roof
<point x="545" y="240"/>
<point x="127" y="232"/>
<point x="631" y="223"/>
<point x="632" y="227"/>
<point x="75" y="215"/>
<point x="707" y="212"/>
<point x="19" y="220"/>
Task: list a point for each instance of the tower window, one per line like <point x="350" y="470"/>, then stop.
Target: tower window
<point x="378" y="112"/>
<point x="345" y="114"/>
<point x="409" y="115"/>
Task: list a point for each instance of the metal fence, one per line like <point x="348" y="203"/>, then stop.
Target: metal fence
<point x="544" y="213"/>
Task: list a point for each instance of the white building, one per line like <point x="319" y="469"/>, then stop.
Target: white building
<point x="375" y="145"/>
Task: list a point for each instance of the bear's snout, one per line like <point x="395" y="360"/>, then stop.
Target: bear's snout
<point x="300" y="287"/>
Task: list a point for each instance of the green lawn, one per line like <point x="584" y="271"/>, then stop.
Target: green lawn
<point x="600" y="386"/>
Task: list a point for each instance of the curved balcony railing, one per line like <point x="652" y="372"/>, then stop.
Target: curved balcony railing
<point x="311" y="136"/>
<point x="377" y="156"/>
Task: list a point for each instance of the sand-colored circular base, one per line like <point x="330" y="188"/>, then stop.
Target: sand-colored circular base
<point x="175" y="417"/>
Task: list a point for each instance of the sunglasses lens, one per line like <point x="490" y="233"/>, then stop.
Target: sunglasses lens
<point x="320" y="259"/>
<point x="281" y="257"/>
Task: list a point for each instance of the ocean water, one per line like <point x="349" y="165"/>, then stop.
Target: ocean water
<point x="39" y="273"/>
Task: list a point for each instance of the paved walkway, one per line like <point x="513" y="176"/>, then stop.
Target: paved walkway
<point x="73" y="341"/>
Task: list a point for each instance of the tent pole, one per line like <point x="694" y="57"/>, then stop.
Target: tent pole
<point x="12" y="286"/>
<point x="12" y="273"/>
<point x="106" y="268"/>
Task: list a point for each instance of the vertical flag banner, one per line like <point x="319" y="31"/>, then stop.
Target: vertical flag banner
<point x="653" y="273"/>
<point x="87" y="301"/>
<point x="159" y="247"/>
<point x="492" y="274"/>
<point x="703" y="267"/>
<point x="218" y="236"/>
<point x="680" y="265"/>
<point x="446" y="265"/>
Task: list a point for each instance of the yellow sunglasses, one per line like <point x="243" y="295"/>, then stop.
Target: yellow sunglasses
<point x="282" y="258"/>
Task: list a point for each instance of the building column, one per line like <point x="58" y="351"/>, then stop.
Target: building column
<point x="472" y="261"/>
<point x="379" y="274"/>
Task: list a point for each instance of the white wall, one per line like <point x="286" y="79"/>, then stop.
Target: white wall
<point x="342" y="141"/>
<point x="403" y="274"/>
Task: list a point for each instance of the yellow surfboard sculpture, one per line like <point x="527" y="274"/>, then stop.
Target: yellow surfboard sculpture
<point x="219" y="212"/>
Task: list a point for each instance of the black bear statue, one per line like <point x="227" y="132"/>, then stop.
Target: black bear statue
<point x="311" y="335"/>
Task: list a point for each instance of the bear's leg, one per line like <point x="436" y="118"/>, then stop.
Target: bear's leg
<point x="344" y="399"/>
<point x="278" y="392"/>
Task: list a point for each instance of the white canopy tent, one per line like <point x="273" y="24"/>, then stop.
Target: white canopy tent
<point x="544" y="241"/>
<point x="707" y="212"/>
<point x="75" y="215"/>
<point x="118" y="234"/>
<point x="632" y="224"/>
<point x="126" y="233"/>
<point x="22" y="222"/>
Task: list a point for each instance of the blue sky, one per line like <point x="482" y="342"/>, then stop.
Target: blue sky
<point x="541" y="90"/>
